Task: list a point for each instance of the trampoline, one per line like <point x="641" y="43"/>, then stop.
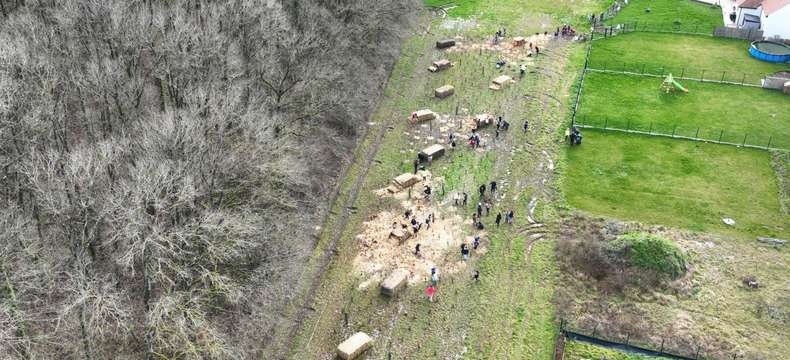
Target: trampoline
<point x="770" y="51"/>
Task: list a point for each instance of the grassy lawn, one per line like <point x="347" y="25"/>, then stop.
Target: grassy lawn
<point x="685" y="14"/>
<point x="620" y="100"/>
<point x="678" y="183"/>
<point x="577" y="350"/>
<point x="686" y="54"/>
<point x="531" y="15"/>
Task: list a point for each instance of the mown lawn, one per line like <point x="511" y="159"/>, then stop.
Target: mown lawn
<point x="688" y="55"/>
<point x="576" y="350"/>
<point x="684" y="184"/>
<point x="532" y="15"/>
<point x="637" y="102"/>
<point x="684" y="14"/>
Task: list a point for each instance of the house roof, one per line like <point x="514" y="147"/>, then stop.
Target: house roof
<point x="749" y="4"/>
<point x="771" y="6"/>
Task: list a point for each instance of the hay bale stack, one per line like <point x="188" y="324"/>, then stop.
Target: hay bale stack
<point x="353" y="346"/>
<point x="434" y="151"/>
<point x="440" y="65"/>
<point x="395" y="282"/>
<point x="405" y="180"/>
<point x="401" y="235"/>
<point x="446" y="43"/>
<point x="444" y="91"/>
<point x="500" y="82"/>
<point x="425" y="114"/>
<point x="519" y="41"/>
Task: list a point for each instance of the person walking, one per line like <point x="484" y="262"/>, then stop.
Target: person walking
<point x="416" y="165"/>
<point x="476" y="242"/>
<point x="476" y="275"/>
<point x="488" y="208"/>
<point x="430" y="291"/>
<point x="526" y="125"/>
<point x="465" y="197"/>
<point x="417" y="250"/>
<point x="498" y="219"/>
<point x="493" y="187"/>
<point x="479" y="210"/>
<point x="482" y="190"/>
<point x="434" y="277"/>
<point x="464" y="251"/>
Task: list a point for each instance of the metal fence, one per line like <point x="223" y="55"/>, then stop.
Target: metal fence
<point x="693" y="133"/>
<point x="667" y="345"/>
<point x="738" y="33"/>
<point x="689" y="29"/>
<point x="678" y="72"/>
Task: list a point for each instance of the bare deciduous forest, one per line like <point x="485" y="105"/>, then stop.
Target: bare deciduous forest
<point x="165" y="163"/>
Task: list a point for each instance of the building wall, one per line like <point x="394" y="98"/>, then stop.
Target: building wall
<point x="777" y="24"/>
<point x="742" y="11"/>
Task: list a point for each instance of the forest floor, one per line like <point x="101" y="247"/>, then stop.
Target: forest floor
<point x="512" y="311"/>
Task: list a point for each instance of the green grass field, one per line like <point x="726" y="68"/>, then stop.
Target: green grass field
<point x="685" y="14"/>
<point x="678" y="183"/>
<point x="688" y="55"/>
<point x="576" y="350"/>
<point x="531" y="15"/>
<point x="636" y="102"/>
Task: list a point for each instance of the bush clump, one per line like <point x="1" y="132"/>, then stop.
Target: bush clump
<point x="650" y="252"/>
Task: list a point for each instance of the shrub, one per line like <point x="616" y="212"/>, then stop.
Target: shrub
<point x="651" y="252"/>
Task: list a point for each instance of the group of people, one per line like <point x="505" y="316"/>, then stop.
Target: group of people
<point x="566" y="30"/>
<point x="501" y="33"/>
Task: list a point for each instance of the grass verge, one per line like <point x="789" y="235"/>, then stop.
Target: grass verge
<point x="679" y="183"/>
<point x="693" y="56"/>
<point x="708" y="111"/>
<point x="686" y="14"/>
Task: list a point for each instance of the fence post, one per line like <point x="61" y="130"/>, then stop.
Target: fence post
<point x="628" y="127"/>
<point x="702" y="77"/>
<point x="722" y="76"/>
<point x="623" y="66"/>
<point x="643" y="68"/>
<point x="769" y="141"/>
<point x="662" y="345"/>
<point x="696" y="136"/>
<point x="721" y="134"/>
<point x="682" y="72"/>
<point x="744" y="139"/>
<point x="651" y="128"/>
<point x="606" y="122"/>
<point x="744" y="78"/>
<point x="673" y="130"/>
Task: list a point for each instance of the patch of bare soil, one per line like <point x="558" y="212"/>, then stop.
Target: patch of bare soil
<point x="440" y="244"/>
<point x="507" y="47"/>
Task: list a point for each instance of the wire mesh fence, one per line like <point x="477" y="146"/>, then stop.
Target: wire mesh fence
<point x="668" y="129"/>
<point x="656" y="342"/>
<point x="677" y="28"/>
<point x="678" y="72"/>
